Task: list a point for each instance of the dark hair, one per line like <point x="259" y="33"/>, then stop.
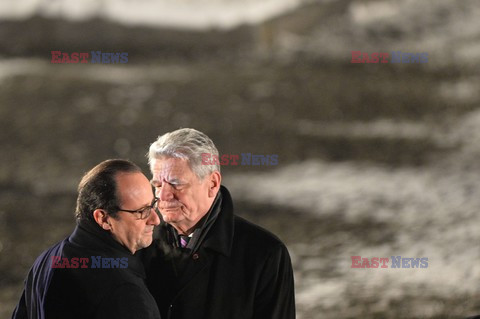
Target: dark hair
<point x="98" y="188"/>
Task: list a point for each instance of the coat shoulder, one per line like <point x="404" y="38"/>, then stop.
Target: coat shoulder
<point x="252" y="235"/>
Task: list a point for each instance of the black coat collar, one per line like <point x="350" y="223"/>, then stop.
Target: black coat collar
<point x="95" y="240"/>
<point x="220" y="237"/>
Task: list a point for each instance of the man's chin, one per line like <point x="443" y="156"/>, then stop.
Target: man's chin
<point x="147" y="243"/>
<point x="170" y="215"/>
<point x="144" y="244"/>
<point x="169" y="218"/>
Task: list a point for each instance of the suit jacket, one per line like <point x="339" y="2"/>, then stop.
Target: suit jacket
<point x="236" y="271"/>
<point x="111" y="285"/>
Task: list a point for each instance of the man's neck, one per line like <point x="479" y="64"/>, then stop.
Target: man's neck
<point x="187" y="229"/>
<point x="184" y="231"/>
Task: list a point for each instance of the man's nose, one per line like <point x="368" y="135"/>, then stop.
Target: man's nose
<point x="154" y="218"/>
<point x="164" y="193"/>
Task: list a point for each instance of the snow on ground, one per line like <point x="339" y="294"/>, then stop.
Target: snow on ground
<point x="432" y="210"/>
<point x="115" y="73"/>
<point x="199" y="14"/>
<point x="448" y="31"/>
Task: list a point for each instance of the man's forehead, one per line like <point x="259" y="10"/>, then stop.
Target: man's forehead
<point x="170" y="168"/>
<point x="169" y="163"/>
<point x="129" y="177"/>
<point x="132" y="185"/>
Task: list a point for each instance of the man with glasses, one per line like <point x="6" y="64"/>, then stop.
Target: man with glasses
<point x="207" y="262"/>
<point x="94" y="273"/>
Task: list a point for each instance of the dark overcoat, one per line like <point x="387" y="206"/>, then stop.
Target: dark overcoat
<point x="237" y="271"/>
<point x="114" y="289"/>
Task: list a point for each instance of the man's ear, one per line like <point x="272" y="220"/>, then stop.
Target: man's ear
<point x="102" y="219"/>
<point x="214" y="186"/>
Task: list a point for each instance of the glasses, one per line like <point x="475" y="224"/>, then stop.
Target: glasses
<point x="145" y="211"/>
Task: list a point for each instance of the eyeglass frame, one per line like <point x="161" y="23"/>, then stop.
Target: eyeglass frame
<point x="144" y="210"/>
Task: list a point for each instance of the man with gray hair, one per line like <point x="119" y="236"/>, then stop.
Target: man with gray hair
<point x="207" y="262"/>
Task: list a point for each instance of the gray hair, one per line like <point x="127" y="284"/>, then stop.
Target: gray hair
<point x="188" y="144"/>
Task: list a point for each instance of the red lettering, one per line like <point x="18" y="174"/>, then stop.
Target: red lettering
<point x="74" y="262"/>
<point x="65" y="263"/>
<point x="356" y="57"/>
<point x="374" y="58"/>
<point x="365" y="58"/>
<point x="74" y="57"/>
<point x="65" y="57"/>
<point x="84" y="57"/>
<point x="224" y="160"/>
<point x="384" y="260"/>
<point x="234" y="159"/>
<point x="374" y="262"/>
<point x="55" y="262"/>
<point x="215" y="160"/>
<point x="55" y="56"/>
<point x="355" y="261"/>
<point x="83" y="261"/>
<point x="384" y="57"/>
<point x="365" y="263"/>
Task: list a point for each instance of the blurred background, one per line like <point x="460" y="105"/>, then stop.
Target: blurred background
<point x="375" y="160"/>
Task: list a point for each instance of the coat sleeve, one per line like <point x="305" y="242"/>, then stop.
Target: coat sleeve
<point x="275" y="297"/>
<point x="20" y="311"/>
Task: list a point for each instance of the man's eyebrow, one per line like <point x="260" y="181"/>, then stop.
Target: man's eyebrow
<point x="146" y="205"/>
<point x="173" y="181"/>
